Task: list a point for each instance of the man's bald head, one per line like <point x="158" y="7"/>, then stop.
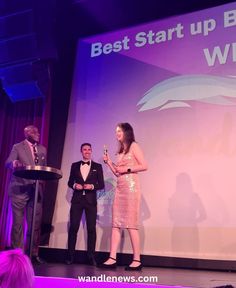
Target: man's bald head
<point x="32" y="134"/>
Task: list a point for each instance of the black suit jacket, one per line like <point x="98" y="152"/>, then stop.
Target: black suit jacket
<point x="94" y="177"/>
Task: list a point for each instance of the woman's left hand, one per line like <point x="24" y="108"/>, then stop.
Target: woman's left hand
<point x="121" y="169"/>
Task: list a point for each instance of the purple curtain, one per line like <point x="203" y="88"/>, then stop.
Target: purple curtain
<point x="13" y="118"/>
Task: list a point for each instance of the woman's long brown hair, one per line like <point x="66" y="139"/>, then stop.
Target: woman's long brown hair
<point x="128" y="137"/>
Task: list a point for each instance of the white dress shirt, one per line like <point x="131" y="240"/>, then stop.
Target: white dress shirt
<point x="84" y="169"/>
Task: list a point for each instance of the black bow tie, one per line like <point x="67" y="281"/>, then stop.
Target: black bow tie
<point x="88" y="163"/>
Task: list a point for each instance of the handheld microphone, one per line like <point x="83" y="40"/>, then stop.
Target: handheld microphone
<point x="105" y="151"/>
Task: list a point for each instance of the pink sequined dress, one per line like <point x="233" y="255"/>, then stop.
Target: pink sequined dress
<point x="126" y="203"/>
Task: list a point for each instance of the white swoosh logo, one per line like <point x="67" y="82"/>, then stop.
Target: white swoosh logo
<point x="179" y="91"/>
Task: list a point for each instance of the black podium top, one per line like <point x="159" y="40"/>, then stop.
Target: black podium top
<point x="37" y="172"/>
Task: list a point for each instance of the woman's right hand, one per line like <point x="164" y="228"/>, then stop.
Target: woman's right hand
<point x="107" y="159"/>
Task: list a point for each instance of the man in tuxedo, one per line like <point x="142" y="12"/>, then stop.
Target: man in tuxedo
<point x="21" y="191"/>
<point x="86" y="177"/>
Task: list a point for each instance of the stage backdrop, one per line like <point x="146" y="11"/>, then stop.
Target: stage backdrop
<point x="174" y="81"/>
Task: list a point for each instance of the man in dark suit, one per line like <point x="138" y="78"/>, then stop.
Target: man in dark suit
<point x="21" y="191"/>
<point x="86" y="177"/>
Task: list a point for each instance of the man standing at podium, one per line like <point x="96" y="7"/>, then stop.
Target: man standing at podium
<point x="21" y="191"/>
<point x="86" y="177"/>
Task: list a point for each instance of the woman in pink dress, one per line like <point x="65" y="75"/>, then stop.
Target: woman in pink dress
<point x="126" y="205"/>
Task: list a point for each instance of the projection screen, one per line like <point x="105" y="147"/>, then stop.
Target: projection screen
<point x="174" y="81"/>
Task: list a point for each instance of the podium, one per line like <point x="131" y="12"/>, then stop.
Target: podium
<point x="36" y="173"/>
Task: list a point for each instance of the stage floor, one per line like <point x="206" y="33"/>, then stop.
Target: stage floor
<point x="166" y="276"/>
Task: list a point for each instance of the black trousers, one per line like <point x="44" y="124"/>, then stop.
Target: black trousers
<point x="76" y="211"/>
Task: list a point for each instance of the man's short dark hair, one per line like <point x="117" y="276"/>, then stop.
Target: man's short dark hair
<point x="85" y="144"/>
